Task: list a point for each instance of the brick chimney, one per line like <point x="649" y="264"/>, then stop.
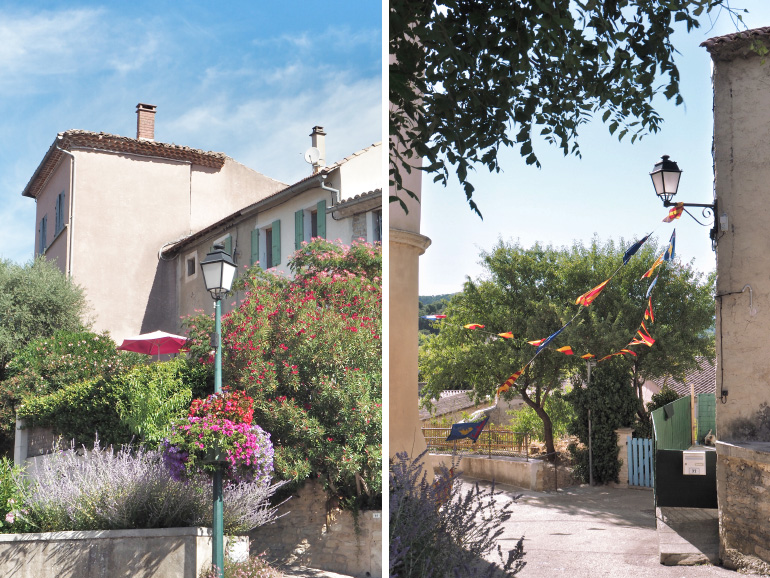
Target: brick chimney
<point x="145" y="121"/>
<point x="318" y="140"/>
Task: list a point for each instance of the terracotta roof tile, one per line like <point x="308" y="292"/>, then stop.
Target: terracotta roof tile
<point x="702" y="377"/>
<point x="737" y="43"/>
<point x="449" y="404"/>
<point x="77" y="139"/>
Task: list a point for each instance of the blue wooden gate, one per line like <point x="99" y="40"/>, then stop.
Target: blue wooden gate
<point x="640" y="457"/>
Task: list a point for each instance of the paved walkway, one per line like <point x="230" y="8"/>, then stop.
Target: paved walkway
<point x="586" y="532"/>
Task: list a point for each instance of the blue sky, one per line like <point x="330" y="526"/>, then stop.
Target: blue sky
<point x="249" y="79"/>
<point x="607" y="193"/>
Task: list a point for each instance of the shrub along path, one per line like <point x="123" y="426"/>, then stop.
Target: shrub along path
<point x="585" y="532"/>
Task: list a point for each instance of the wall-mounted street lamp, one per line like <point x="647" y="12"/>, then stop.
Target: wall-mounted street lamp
<point x="665" y="178"/>
<point x="218" y="273"/>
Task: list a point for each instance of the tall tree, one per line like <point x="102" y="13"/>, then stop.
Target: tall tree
<point x="36" y="299"/>
<point x="532" y="293"/>
<point x="470" y="76"/>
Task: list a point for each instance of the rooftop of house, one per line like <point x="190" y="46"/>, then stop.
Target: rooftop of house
<point x="448" y="404"/>
<point x="83" y="139"/>
<point x="304" y="184"/>
<point x="737" y="44"/>
<point x="703" y="378"/>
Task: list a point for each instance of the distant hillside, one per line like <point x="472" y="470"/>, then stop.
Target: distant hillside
<point x="432" y="305"/>
<point x="428" y="299"/>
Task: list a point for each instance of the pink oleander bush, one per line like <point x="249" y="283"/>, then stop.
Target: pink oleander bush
<point x="308" y="350"/>
<point x="222" y="422"/>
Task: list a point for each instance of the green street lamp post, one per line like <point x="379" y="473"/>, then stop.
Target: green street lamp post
<point x="218" y="273"/>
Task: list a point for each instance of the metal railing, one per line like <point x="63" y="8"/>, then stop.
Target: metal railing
<point x="492" y="442"/>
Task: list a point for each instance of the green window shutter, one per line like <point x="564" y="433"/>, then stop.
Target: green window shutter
<point x="276" y="248"/>
<point x="299" y="229"/>
<point x="57" y="224"/>
<point x="229" y="245"/>
<point x="254" y="246"/>
<point x="321" y="218"/>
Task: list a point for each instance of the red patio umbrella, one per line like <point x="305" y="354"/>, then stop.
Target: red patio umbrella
<point x="156" y="342"/>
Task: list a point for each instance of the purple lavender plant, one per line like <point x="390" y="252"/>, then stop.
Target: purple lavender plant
<point x="103" y="489"/>
<point x="437" y="531"/>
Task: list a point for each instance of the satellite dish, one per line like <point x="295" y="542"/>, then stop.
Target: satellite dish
<point x="312" y="155"/>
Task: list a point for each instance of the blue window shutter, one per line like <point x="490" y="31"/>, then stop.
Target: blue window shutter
<point x="276" y="248"/>
<point x="321" y="218"/>
<point x="299" y="229"/>
<point x="254" y="246"/>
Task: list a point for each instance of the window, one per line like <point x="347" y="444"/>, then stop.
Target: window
<point x="309" y="223"/>
<point x="266" y="245"/>
<point x="377" y="225"/>
<point x="191" y="266"/>
<point x="269" y="243"/>
<point x="59" y="223"/>
<point x="41" y="235"/>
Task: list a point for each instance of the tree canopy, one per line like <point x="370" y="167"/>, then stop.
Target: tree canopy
<point x="36" y="300"/>
<point x="532" y="292"/>
<point x="470" y="76"/>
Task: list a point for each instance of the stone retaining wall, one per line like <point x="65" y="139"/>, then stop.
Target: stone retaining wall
<point x="161" y="553"/>
<point x="310" y="536"/>
<point x="533" y="474"/>
<point x="743" y="490"/>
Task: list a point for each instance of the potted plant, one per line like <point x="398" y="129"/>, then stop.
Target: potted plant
<point x="218" y="433"/>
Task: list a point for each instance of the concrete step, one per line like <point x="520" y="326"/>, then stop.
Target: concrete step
<point x="688" y="536"/>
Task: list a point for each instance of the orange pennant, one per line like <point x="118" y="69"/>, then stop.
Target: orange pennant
<point x="648" y="312"/>
<point x="537" y="342"/>
<point x="510" y="381"/>
<point x="566" y="350"/>
<point x="507" y="335"/>
<point x="587" y="356"/>
<point x="657" y="262"/>
<point x="588" y="297"/>
<point x="674" y="213"/>
<point x="473" y="326"/>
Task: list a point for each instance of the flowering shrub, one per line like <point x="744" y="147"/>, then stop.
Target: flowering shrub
<point x="139" y="402"/>
<point x="12" y="491"/>
<point x="360" y="258"/>
<point x="221" y="422"/>
<point x="102" y="489"/>
<point x="49" y="364"/>
<point x="308" y="351"/>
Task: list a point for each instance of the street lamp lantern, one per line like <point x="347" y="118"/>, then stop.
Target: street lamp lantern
<point x="218" y="272"/>
<point x="665" y="178"/>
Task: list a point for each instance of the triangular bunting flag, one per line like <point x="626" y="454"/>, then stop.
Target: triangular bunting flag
<point x="587" y="298"/>
<point x="674" y="213"/>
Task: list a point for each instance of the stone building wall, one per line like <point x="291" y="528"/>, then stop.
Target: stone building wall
<point x="310" y="535"/>
<point x="743" y="479"/>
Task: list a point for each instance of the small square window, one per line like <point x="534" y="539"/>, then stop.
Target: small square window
<point x="190" y="266"/>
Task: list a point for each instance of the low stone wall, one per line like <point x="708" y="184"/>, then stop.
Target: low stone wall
<point x="309" y="536"/>
<point x="743" y="491"/>
<point x="532" y="474"/>
<point x="161" y="553"/>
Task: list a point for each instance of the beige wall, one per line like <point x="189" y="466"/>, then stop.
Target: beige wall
<point x="126" y="208"/>
<point x="741" y="129"/>
<point x="218" y="193"/>
<point x="46" y="205"/>
<point x="362" y="172"/>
